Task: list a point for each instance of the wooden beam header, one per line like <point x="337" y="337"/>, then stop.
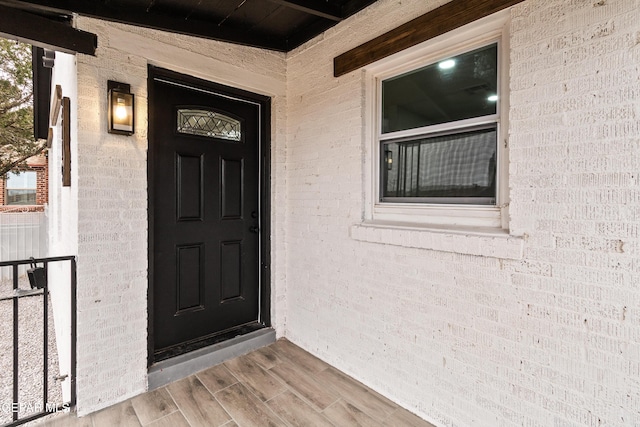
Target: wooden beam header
<point x="439" y="21"/>
<point x="43" y="32"/>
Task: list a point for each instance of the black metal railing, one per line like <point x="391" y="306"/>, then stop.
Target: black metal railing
<point x="38" y="286"/>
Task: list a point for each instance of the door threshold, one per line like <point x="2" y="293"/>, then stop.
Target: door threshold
<point x="191" y="346"/>
<point x="176" y="368"/>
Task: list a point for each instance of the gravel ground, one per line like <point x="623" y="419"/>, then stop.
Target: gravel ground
<point x="30" y="354"/>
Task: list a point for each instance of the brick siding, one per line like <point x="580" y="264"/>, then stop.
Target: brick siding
<point x="40" y="166"/>
<point x="548" y="337"/>
<point x="552" y="338"/>
<point x="111" y="173"/>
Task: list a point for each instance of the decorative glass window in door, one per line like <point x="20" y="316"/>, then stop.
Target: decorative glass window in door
<point x="209" y="123"/>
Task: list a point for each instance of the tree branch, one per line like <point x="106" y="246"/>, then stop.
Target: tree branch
<point x="12" y="164"/>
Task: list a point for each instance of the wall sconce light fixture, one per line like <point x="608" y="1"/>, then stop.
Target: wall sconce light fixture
<point x="121" y="108"/>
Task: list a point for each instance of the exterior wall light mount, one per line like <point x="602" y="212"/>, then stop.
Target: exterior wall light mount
<point x="121" y="108"/>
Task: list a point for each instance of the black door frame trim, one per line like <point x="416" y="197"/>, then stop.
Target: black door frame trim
<point x="264" y="103"/>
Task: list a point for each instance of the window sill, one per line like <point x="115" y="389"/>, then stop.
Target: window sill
<point x="481" y="241"/>
<point x="451" y="217"/>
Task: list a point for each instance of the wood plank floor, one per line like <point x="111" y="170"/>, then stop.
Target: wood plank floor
<point x="278" y="385"/>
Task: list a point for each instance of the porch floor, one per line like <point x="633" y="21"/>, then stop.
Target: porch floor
<point x="277" y="385"/>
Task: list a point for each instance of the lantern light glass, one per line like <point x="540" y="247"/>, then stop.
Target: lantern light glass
<point x="121" y="109"/>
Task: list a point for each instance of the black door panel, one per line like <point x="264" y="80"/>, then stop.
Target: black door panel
<point x="205" y="190"/>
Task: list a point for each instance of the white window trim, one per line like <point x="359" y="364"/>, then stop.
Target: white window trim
<point x="7" y="188"/>
<point x="454" y="217"/>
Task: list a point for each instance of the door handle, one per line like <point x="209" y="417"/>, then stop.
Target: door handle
<point x="254" y="229"/>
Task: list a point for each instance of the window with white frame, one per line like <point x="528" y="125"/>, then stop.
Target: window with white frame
<point x="21" y="188"/>
<point x="439" y="151"/>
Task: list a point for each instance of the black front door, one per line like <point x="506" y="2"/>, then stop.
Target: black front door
<point x="204" y="173"/>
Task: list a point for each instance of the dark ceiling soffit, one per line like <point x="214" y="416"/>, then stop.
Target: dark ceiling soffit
<point x="352" y="7"/>
<point x="320" y="8"/>
<point x="192" y="26"/>
<point x="307" y="33"/>
<point x="328" y="16"/>
<point x="318" y="27"/>
<point x="441" y="20"/>
<point x="323" y="10"/>
<point x="44" y="32"/>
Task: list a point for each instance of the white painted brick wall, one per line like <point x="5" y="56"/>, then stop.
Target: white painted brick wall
<point x="469" y="340"/>
<point x="61" y="212"/>
<point x="111" y="180"/>
<point x="550" y="338"/>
